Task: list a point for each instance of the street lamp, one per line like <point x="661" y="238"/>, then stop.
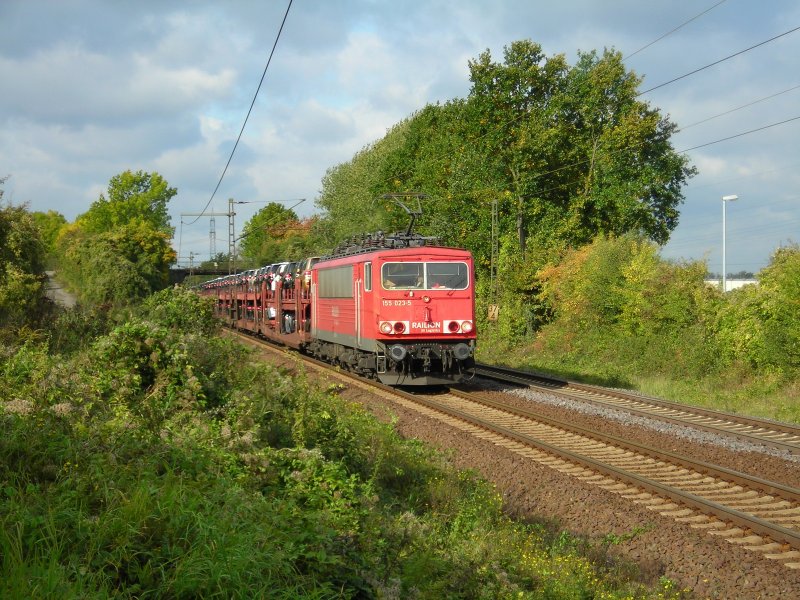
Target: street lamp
<point x="725" y="199"/>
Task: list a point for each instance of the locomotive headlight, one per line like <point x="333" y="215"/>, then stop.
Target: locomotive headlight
<point x="466" y="326"/>
<point x="386" y="327"/>
<point x="453" y="326"/>
<point x="399" y="327"/>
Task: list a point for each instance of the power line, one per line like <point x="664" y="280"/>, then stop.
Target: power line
<point x="241" y="131"/>
<point x="717" y="62"/>
<point x="674" y="30"/>
<point x="583" y="162"/>
<point x="730" y="137"/>
<point x="727" y="112"/>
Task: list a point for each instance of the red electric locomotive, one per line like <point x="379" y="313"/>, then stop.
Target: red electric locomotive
<point x="400" y="308"/>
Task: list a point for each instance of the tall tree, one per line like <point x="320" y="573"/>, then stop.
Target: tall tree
<point x="131" y="197"/>
<point x="120" y="249"/>
<point x="351" y="191"/>
<point x="263" y="236"/>
<point x="567" y="153"/>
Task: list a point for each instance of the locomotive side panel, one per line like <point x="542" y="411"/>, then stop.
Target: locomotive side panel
<point x="334" y="305"/>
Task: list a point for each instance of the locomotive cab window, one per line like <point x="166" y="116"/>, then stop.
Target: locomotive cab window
<point x="448" y="276"/>
<point x="403" y="276"/>
<point x="425" y="276"/>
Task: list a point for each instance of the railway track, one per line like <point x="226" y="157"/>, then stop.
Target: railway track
<point x="759" y="515"/>
<point x="783" y="437"/>
<point x="753" y="513"/>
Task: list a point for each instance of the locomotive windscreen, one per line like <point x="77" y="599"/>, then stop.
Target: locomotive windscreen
<point x="425" y="276"/>
<point x="452" y="276"/>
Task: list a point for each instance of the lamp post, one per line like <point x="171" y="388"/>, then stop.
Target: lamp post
<point x="725" y="199"/>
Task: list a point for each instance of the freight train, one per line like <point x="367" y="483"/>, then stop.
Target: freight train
<point x="399" y="308"/>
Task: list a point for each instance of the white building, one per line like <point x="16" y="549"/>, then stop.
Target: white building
<point x="731" y="284"/>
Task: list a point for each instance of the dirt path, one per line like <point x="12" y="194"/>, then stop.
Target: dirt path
<point x="57" y="293"/>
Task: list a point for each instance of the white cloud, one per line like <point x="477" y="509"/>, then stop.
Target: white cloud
<point x="93" y="88"/>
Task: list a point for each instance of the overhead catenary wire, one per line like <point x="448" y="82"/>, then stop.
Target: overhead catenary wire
<point x="670" y="32"/>
<point x="732" y="110"/>
<point x="729" y="180"/>
<point x="250" y="110"/>
<point x="518" y="117"/>
<point x="731" y="137"/>
<point x="716" y="62"/>
<point x="646" y="91"/>
<point x="631" y="146"/>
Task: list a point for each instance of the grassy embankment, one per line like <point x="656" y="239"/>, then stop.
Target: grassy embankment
<point x="617" y="314"/>
<point x="737" y="389"/>
<point x="150" y="458"/>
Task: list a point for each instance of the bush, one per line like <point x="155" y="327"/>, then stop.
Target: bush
<point x="181" y="309"/>
<point x="760" y="325"/>
<point x="619" y="310"/>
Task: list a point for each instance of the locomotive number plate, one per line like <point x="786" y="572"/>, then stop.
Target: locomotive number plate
<point x="397" y="302"/>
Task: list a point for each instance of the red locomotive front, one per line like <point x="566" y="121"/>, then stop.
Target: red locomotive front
<point x="405" y="314"/>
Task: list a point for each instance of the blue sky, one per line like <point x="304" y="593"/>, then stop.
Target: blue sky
<point x="92" y="88"/>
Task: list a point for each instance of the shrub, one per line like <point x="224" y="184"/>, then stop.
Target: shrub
<point x="181" y="309"/>
<point x="760" y="325"/>
<point x="616" y="309"/>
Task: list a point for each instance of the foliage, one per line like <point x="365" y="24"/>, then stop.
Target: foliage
<point x="614" y="312"/>
<point x="120" y="249"/>
<point x="75" y="329"/>
<point x="566" y="152"/>
<point x="181" y="309"/>
<point x="132" y="198"/>
<point x="615" y="309"/>
<point x="164" y="463"/>
<point x="350" y="191"/>
<point x="558" y="153"/>
<point x="760" y="324"/>
<point x="275" y="234"/>
<point x="50" y="225"/>
<point x="22" y="256"/>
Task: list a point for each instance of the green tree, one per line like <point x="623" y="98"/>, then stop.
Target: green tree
<point x="264" y="236"/>
<point x="350" y="195"/>
<point x="565" y="153"/>
<point x="118" y="266"/>
<point x="132" y="197"/>
<point x="571" y="152"/>
<point x="50" y="225"/>
<point x="119" y="250"/>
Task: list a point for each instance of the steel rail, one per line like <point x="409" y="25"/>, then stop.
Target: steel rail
<point x="596" y="395"/>
<point x="739" y="518"/>
<point x="751" y="481"/>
